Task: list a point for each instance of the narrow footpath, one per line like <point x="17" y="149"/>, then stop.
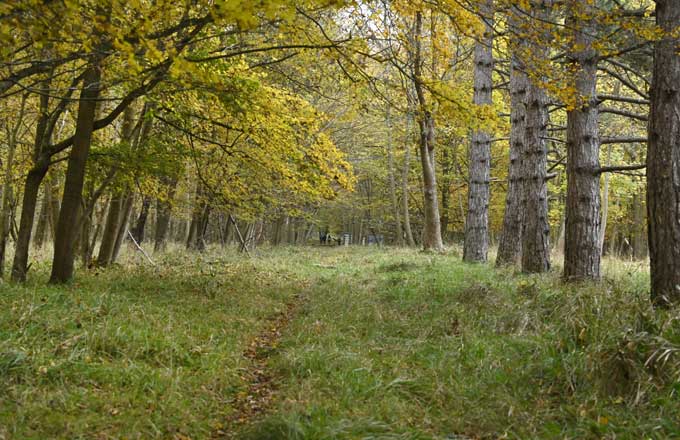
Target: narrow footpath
<point x="250" y="405"/>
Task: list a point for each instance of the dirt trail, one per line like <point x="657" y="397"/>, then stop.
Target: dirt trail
<point x="251" y="404"/>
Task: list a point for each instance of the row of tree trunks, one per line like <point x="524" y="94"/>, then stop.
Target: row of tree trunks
<point x="117" y="203"/>
<point x="476" y="245"/>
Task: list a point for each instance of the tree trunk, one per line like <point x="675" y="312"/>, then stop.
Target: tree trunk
<point x="28" y="205"/>
<point x="392" y="183"/>
<point x="639" y="229"/>
<point x="582" y="247"/>
<point x="110" y="231"/>
<point x="404" y="190"/>
<point x="6" y="212"/>
<point x="432" y="236"/>
<point x="477" y="223"/>
<point x="138" y="230"/>
<point x="199" y="221"/>
<point x="163" y="212"/>
<point x="663" y="160"/>
<point x="126" y="209"/>
<point x="536" y="226"/>
<point x="62" y="264"/>
<point x="510" y="246"/>
<point x="605" y="202"/>
<point x="6" y="208"/>
<point x="43" y="219"/>
<point x="34" y="177"/>
<point x="536" y="231"/>
<point x="54" y="207"/>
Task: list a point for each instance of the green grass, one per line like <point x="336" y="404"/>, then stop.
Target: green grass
<point x="402" y="345"/>
<point x="387" y="344"/>
<point x="132" y="352"/>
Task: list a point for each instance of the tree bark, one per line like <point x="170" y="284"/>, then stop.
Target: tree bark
<point x="477" y="223"/>
<point x="582" y="248"/>
<point x="536" y="231"/>
<point x="536" y="226"/>
<point x="510" y="245"/>
<point x="62" y="264"/>
<point x="663" y="160"/>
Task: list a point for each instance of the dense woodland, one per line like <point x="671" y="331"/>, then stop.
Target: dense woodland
<point x="527" y="124"/>
<point x="464" y="214"/>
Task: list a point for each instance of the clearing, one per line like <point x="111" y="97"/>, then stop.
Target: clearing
<point x="336" y="343"/>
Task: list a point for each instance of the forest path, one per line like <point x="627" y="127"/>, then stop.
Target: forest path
<point x="252" y="403"/>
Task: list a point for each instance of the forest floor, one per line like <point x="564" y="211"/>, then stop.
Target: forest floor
<point x="335" y="343"/>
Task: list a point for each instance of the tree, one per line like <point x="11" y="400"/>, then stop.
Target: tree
<point x="535" y="234"/>
<point x="69" y="215"/>
<point x="663" y="159"/>
<point x="582" y="250"/>
<point x="509" y="246"/>
<point x="477" y="224"/>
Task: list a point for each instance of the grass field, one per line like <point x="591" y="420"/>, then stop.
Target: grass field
<point x="375" y="344"/>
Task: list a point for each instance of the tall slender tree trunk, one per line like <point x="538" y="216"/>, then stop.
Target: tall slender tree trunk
<point x="126" y="209"/>
<point x="639" y="229"/>
<point x="432" y="235"/>
<point x="110" y="230"/>
<point x="43" y="225"/>
<point x="116" y="204"/>
<point x="476" y="245"/>
<point x="35" y="176"/>
<point x="7" y="196"/>
<point x="605" y="203"/>
<point x="54" y="207"/>
<point x="509" y="247"/>
<point x="406" y="169"/>
<point x="199" y="221"/>
<point x="663" y="160"/>
<point x="62" y="264"/>
<point x="399" y="232"/>
<point x="582" y="247"/>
